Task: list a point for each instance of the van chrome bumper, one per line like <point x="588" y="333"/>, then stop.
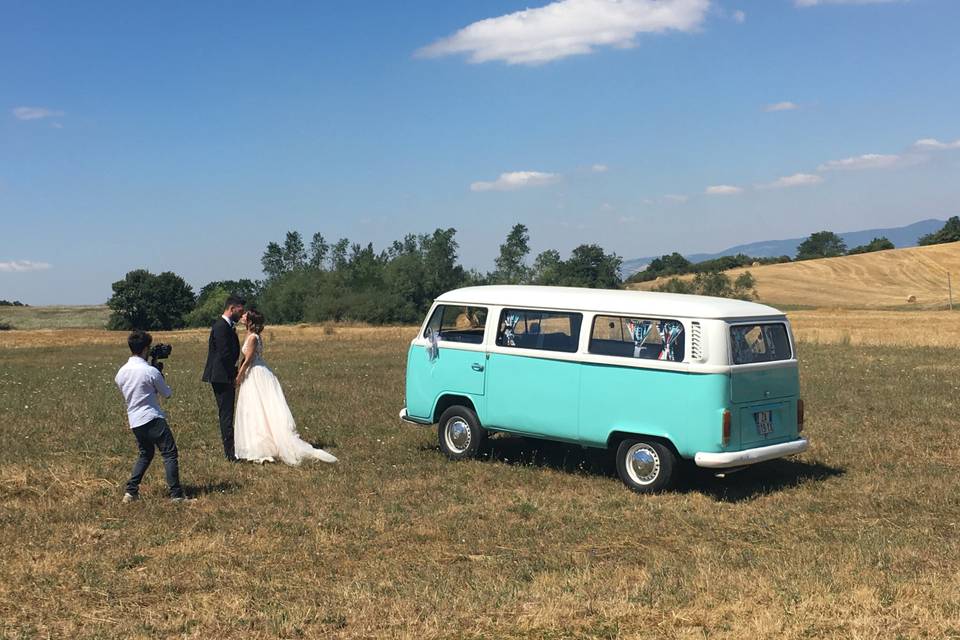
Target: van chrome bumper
<point x="411" y="420"/>
<point x="750" y="456"/>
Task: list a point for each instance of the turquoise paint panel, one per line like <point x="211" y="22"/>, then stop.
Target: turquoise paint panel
<point x="764" y="384"/>
<point x="538" y="396"/>
<point x="685" y="408"/>
<point x="451" y="372"/>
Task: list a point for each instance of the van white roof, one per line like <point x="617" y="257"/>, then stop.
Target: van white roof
<point x="614" y="301"/>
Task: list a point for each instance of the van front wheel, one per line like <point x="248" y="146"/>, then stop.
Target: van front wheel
<point x="646" y="466"/>
<point x="460" y="433"/>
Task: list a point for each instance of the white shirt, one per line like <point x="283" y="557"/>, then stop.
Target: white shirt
<point x="140" y="383"/>
<point x="229" y="321"/>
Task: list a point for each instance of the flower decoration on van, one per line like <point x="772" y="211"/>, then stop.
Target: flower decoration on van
<point x="672" y="348"/>
<point x="509" y="327"/>
<point x="639" y="330"/>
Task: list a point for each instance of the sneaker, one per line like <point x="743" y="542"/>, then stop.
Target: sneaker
<point x="130" y="497"/>
<point x="181" y="499"/>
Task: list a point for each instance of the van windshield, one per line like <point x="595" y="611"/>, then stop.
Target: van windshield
<point x="760" y="343"/>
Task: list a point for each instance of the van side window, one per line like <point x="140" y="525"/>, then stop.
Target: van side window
<point x="458" y="323"/>
<point x="645" y="338"/>
<point x="545" y="330"/>
<point x="760" y="343"/>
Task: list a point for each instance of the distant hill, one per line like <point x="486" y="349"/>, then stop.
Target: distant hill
<point x="900" y="236"/>
<point x="883" y="279"/>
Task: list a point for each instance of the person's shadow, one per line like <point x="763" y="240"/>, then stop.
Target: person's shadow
<point x="755" y="480"/>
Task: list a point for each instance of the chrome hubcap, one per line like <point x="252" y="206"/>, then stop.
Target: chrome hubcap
<point x="458" y="435"/>
<point x="643" y="463"/>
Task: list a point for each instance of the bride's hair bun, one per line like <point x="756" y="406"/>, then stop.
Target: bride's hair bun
<point x="255" y="320"/>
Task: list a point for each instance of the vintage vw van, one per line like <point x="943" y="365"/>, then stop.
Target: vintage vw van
<point x="655" y="377"/>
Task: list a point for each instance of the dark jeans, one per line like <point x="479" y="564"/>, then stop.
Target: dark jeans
<point x="226" y="400"/>
<point x="156" y="434"/>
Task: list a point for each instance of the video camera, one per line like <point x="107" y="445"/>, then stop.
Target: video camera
<point x="159" y="352"/>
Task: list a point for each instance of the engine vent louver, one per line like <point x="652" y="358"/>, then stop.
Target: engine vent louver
<point x="696" y="342"/>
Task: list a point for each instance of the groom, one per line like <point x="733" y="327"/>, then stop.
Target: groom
<point x="223" y="351"/>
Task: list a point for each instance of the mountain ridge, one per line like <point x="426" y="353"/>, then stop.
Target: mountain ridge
<point x="901" y="237"/>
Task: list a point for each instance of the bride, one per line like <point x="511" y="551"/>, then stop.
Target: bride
<point x="264" y="428"/>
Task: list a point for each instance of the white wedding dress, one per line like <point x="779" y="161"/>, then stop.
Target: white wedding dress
<point x="264" y="429"/>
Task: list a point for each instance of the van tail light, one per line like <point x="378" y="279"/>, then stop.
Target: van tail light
<point x="726" y="427"/>
<point x="799" y="415"/>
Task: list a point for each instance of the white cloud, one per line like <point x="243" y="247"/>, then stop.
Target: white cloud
<point x="781" y="106"/>
<point x="932" y="144"/>
<point x="566" y="28"/>
<point x="739" y="16"/>
<point x="796" y="180"/>
<point x="19" y="266"/>
<point x="516" y="180"/>
<point x="35" y="113"/>
<point x="723" y="190"/>
<point x="673" y="197"/>
<point x="866" y="161"/>
<point x="813" y="3"/>
<point x="599" y="168"/>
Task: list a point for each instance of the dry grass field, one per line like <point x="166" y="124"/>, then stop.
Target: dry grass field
<point x="885" y="279"/>
<point x="858" y="538"/>
<point x="55" y="317"/>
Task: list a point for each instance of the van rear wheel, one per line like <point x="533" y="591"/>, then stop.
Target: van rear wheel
<point x="645" y="466"/>
<point x="460" y="433"/>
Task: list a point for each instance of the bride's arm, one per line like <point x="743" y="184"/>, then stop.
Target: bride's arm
<point x="248" y="351"/>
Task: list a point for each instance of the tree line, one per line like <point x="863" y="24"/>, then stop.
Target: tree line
<point x="317" y="281"/>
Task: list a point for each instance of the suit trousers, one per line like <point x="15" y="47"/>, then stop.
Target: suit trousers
<point x="226" y="401"/>
<point x="156" y="434"/>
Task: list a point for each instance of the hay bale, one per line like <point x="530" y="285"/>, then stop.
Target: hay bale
<point x="912" y="299"/>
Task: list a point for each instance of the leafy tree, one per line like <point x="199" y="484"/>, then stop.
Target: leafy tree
<point x="441" y="271"/>
<point x="245" y="288"/>
<point x="949" y="233"/>
<point x="338" y="254"/>
<point x="590" y="266"/>
<point x="318" y="251"/>
<point x="294" y="253"/>
<point x="822" y="244"/>
<point x="272" y="261"/>
<point x="209" y="306"/>
<point x="143" y="300"/>
<point x="546" y="268"/>
<point x="511" y="268"/>
<point x="877" y="244"/>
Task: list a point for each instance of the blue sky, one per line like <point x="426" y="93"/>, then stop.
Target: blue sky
<point x="185" y="136"/>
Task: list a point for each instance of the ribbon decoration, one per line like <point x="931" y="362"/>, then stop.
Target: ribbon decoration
<point x="670" y="331"/>
<point x="510" y="324"/>
<point x="639" y="330"/>
<point x="433" y="344"/>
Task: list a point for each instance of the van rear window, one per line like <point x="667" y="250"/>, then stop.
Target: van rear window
<point x="760" y="343"/>
<point x="545" y="330"/>
<point x="645" y="338"/>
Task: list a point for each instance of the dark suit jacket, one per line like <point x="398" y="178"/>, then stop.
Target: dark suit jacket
<point x="223" y="351"/>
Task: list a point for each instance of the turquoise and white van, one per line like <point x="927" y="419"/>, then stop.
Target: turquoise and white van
<point x="656" y="377"/>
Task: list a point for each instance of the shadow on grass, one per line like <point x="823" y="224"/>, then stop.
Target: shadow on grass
<point x="197" y="490"/>
<point x="755" y="481"/>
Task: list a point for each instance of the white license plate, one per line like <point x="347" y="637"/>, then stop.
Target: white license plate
<point x="764" y="420"/>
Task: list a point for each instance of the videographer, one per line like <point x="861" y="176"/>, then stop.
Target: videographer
<point x="139" y="383"/>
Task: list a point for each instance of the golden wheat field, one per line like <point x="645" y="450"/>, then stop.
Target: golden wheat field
<point x="884" y="279"/>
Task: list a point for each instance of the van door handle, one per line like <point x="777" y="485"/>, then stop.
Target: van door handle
<point x="476" y="366"/>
